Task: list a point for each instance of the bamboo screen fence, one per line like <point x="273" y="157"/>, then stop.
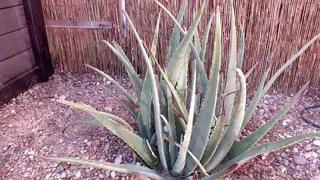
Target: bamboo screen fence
<point x="274" y="31"/>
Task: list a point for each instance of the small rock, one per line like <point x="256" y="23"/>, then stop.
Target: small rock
<point x="10" y="125"/>
<point x="261" y="112"/>
<point x="78" y="174"/>
<point x="63" y="175"/>
<point x="308" y="148"/>
<point x="62" y="97"/>
<point x="47" y="176"/>
<point x="107" y="173"/>
<point x="286" y="162"/>
<point x="113" y="174"/>
<point x="279" y="159"/>
<point x="13" y="112"/>
<point x="316" y="178"/>
<point x="108" y="109"/>
<point x="108" y="82"/>
<point x="118" y="160"/>
<point x="284" y="155"/>
<point x="101" y="176"/>
<point x="316" y="142"/>
<point x="290" y="172"/>
<point x="295" y="150"/>
<point x="299" y="160"/>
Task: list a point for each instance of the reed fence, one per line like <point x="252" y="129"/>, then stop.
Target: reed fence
<point x="274" y="30"/>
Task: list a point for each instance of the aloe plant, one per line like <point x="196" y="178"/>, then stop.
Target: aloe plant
<point x="182" y="129"/>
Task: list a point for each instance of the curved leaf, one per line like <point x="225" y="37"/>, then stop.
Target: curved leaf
<point x="265" y="148"/>
<point x="181" y="160"/>
<point x="118" y="86"/>
<point x="134" y="141"/>
<point x="288" y="63"/>
<point x="155" y="95"/>
<point x="253" y="138"/>
<point x="201" y="130"/>
<point x="125" y="168"/>
<point x="234" y="126"/>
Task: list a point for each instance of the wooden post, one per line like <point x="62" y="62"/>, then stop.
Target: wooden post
<point x="122" y="18"/>
<point x="39" y="41"/>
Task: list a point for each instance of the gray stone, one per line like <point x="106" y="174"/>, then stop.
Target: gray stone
<point x="316" y="142"/>
<point x="286" y="162"/>
<point x="290" y="172"/>
<point x="308" y="148"/>
<point x="316" y="178"/>
<point x="299" y="160"/>
<point x="284" y="155"/>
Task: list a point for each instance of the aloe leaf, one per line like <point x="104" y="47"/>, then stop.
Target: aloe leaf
<point x="172" y="124"/>
<point x="251" y="70"/>
<point x="171" y="132"/>
<point x="203" y="124"/>
<point x="145" y="105"/>
<point x="215" y="138"/>
<point x="117" y="85"/>
<point x="182" y="83"/>
<point x="124" y="168"/>
<point x="179" y="54"/>
<point x="134" y="78"/>
<point x="233" y="128"/>
<point x="288" y="63"/>
<point x="123" y="103"/>
<point x="232" y="66"/>
<point x="265" y="148"/>
<point x="200" y="66"/>
<point x="156" y="37"/>
<point x="219" y="105"/>
<point x="205" y="40"/>
<point x="242" y="49"/>
<point x="181" y="160"/>
<point x="175" y="36"/>
<point x="155" y="95"/>
<point x="253" y="138"/>
<point x="175" y="94"/>
<point x="91" y="122"/>
<point x="222" y="173"/>
<point x="254" y="103"/>
<point x="134" y="141"/>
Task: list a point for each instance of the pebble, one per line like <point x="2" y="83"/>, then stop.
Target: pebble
<point x="261" y="112"/>
<point x="108" y="109"/>
<point x="108" y="82"/>
<point x="286" y="162"/>
<point x="290" y="172"/>
<point x="316" y="142"/>
<point x="47" y="177"/>
<point x="299" y="160"/>
<point x="63" y="175"/>
<point x="113" y="174"/>
<point x="308" y="148"/>
<point x="316" y="178"/>
<point x="78" y="174"/>
<point x="284" y="155"/>
<point x="118" y="160"/>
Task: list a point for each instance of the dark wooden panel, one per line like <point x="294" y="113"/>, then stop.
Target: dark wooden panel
<point x="17" y="85"/>
<point x="16" y="65"/>
<point x="12" y="19"/>
<point x="34" y="15"/>
<point x="14" y="43"/>
<point x="9" y="3"/>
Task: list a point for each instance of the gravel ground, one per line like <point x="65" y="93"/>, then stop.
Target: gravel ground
<point x="31" y="125"/>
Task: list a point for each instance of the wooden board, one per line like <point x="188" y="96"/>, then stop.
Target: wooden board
<point x="79" y="24"/>
<point x="12" y="19"/>
<point x="9" y="3"/>
<point x="16" y="66"/>
<point x="14" y="43"/>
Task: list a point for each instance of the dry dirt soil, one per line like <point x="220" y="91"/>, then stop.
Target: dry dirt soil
<point x="31" y="126"/>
